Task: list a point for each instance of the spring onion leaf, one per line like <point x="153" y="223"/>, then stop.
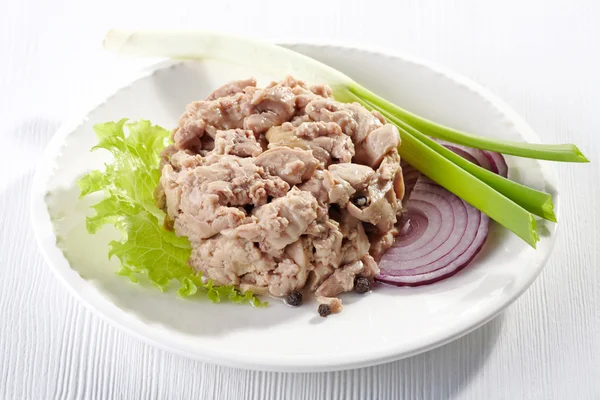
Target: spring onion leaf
<point x="552" y="152"/>
<point x="146" y="249"/>
<point x="535" y="201"/>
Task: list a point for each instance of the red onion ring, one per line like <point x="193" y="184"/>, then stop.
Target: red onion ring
<point x="444" y="233"/>
<point x="476" y="156"/>
<point x="410" y="175"/>
<point x="447" y="271"/>
<point x="489" y="160"/>
<point x="498" y="162"/>
<point x="462" y="222"/>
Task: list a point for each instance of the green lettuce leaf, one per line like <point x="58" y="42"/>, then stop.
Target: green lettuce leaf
<point x="146" y="249"/>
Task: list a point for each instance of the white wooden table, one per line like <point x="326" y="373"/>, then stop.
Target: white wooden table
<point x="541" y="56"/>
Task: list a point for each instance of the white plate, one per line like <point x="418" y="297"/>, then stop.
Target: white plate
<point x="386" y="325"/>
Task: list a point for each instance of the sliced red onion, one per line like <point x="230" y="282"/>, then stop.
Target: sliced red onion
<point x="444" y="233"/>
<point x="427" y="252"/>
<point x="410" y="175"/>
<point x="449" y="269"/>
<point x="498" y="162"/>
<point x="417" y="225"/>
<point x="463" y="221"/>
<point x="489" y="160"/>
<point x="476" y="156"/>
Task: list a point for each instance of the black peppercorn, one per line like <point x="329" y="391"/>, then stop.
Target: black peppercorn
<point x="294" y="299"/>
<point x="362" y="285"/>
<point x="324" y="310"/>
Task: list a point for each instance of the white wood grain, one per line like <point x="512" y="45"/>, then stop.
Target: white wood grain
<point x="542" y="57"/>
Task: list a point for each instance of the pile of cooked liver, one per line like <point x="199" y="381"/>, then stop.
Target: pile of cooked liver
<point x="282" y="188"/>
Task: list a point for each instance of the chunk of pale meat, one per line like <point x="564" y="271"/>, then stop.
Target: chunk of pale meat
<point x="300" y="252"/>
<point x="383" y="205"/>
<point x="312" y="130"/>
<point x="237" y="181"/>
<point x="366" y="122"/>
<point x="326" y="140"/>
<point x="237" y="142"/>
<point x="341" y="192"/>
<point x="356" y="243"/>
<point x="328" y="245"/>
<point x="381" y="212"/>
<point x="232" y="88"/>
<point x="318" y="275"/>
<point x="328" y="110"/>
<point x="357" y="175"/>
<point x="281" y="221"/>
<point x="208" y="220"/>
<point x="348" y="180"/>
<point x="225" y="259"/>
<point x="381" y="242"/>
<point x="371" y="269"/>
<point x="285" y="133"/>
<point x="275" y="104"/>
<point x="342" y="280"/>
<point x="379" y="143"/>
<point x="288" y="276"/>
<point x="292" y="165"/>
<point x="322" y="91"/>
<point x="204" y="200"/>
<point x="326" y="239"/>
<point x="333" y="149"/>
<point x="319" y="185"/>
<point x="354" y="120"/>
<point x="209" y="116"/>
<point x="300" y="87"/>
